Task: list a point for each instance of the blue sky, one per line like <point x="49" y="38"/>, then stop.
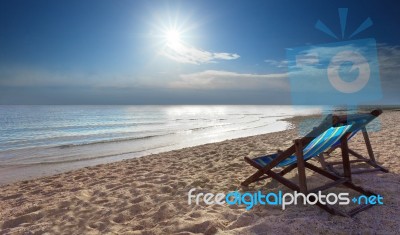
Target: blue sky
<point x="175" y="52"/>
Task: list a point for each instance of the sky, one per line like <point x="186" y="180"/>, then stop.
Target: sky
<point x="185" y="52"/>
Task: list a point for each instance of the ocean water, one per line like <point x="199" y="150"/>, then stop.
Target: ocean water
<point x="99" y="134"/>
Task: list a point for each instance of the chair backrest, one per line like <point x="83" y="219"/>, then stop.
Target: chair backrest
<point x="325" y="140"/>
<point x="324" y="136"/>
<point x="359" y="121"/>
<point x="320" y="143"/>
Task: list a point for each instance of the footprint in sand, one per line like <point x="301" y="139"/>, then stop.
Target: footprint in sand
<point x="28" y="218"/>
<point x="12" y="196"/>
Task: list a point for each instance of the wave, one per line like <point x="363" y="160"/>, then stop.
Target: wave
<point x="45" y="144"/>
<point x="111" y="140"/>
<point x="87" y="126"/>
<point x="250" y="128"/>
<point x="66" y="141"/>
<point x="88" y="158"/>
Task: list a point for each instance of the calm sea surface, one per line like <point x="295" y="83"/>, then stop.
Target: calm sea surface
<point x="55" y="134"/>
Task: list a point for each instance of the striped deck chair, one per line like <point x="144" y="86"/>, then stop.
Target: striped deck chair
<point x="360" y="121"/>
<point x="329" y="132"/>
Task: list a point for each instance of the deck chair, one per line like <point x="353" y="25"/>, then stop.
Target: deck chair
<point x="321" y="138"/>
<point x="360" y="121"/>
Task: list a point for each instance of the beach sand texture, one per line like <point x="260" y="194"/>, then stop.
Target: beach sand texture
<point x="148" y="195"/>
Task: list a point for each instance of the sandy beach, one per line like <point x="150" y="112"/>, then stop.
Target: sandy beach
<point x="148" y="195"/>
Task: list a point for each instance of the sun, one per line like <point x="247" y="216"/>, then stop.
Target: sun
<point x="173" y="37"/>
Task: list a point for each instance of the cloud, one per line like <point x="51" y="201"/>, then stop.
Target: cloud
<point x="214" y="79"/>
<point x="33" y="77"/>
<point x="318" y="58"/>
<point x="20" y="76"/>
<point x="187" y="54"/>
<point x="389" y="60"/>
<point x="389" y="63"/>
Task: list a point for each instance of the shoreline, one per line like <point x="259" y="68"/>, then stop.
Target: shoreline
<point x="39" y="170"/>
<point x="12" y="173"/>
<point x="148" y="195"/>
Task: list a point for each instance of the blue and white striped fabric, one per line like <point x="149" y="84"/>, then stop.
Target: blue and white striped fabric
<point x="318" y="145"/>
<point x="357" y="125"/>
<point x="348" y="138"/>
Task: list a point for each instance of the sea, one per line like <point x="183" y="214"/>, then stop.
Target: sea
<point x="89" y="135"/>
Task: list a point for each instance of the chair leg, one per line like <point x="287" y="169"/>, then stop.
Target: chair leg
<point x="368" y="144"/>
<point x="302" y="187"/>
<point x="300" y="166"/>
<point x="327" y="165"/>
<point x="322" y="161"/>
<point x="345" y="157"/>
<point x="259" y="175"/>
<point x="252" y="178"/>
<point x="370" y="162"/>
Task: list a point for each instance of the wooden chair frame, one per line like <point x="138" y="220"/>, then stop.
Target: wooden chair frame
<point x="370" y="160"/>
<point x="297" y="149"/>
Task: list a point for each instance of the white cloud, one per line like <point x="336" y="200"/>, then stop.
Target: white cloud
<point x="33" y="77"/>
<point x="187" y="54"/>
<point x="226" y="56"/>
<point x="389" y="63"/>
<point x="19" y="76"/>
<point x="389" y="60"/>
<point x="214" y="79"/>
